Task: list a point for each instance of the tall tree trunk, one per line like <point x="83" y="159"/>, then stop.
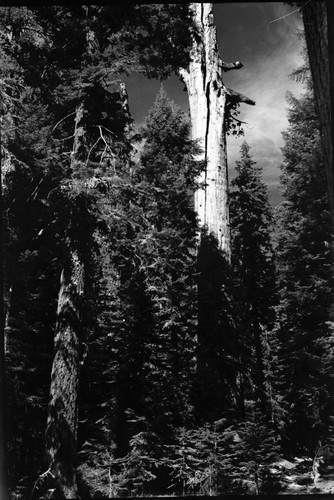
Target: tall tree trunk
<point x="319" y="35"/>
<point x="61" y="432"/>
<point x="63" y="407"/>
<point x="3" y="406"/>
<point x="9" y="257"/>
<point x="207" y="99"/>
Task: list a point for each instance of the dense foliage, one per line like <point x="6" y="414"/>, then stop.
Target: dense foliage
<point x="305" y="269"/>
<point x="255" y="285"/>
<point x="194" y="374"/>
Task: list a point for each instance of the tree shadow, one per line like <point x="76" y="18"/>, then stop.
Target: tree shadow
<point x="215" y="361"/>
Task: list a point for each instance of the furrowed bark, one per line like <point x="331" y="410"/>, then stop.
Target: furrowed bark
<point x="62" y="424"/>
<point x="63" y="407"/>
<point x="3" y="441"/>
<point x="319" y="35"/>
<point x="61" y="432"/>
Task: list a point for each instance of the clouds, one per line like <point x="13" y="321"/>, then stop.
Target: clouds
<point x="270" y="52"/>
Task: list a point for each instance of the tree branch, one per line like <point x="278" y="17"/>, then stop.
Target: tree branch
<point x="58" y="123"/>
<point x="228" y="66"/>
<point x="233" y="96"/>
<point x="239" y="122"/>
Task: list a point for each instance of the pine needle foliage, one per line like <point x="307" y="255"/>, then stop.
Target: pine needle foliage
<point x="305" y="263"/>
<point x="146" y="327"/>
<point x="255" y="280"/>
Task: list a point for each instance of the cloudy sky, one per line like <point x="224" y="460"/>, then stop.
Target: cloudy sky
<point x="268" y="43"/>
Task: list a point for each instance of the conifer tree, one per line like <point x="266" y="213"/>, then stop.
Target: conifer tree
<point x="253" y="266"/>
<point x="157" y="265"/>
<point x="67" y="56"/>
<point x="305" y="282"/>
<point x="167" y="164"/>
<point x="30" y="260"/>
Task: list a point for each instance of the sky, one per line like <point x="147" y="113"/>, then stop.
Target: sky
<point x="269" y="45"/>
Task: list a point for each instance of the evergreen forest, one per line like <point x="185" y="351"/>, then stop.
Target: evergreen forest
<point x="141" y="358"/>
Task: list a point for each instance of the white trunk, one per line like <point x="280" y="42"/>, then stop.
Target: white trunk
<point x="207" y="98"/>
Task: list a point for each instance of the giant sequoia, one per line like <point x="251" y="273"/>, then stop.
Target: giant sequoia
<point x="209" y="101"/>
<point x="210" y="104"/>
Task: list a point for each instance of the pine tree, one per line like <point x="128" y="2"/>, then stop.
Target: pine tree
<point x="157" y="290"/>
<point x="305" y="282"/>
<point x="143" y="345"/>
<point x="168" y="166"/>
<point x="253" y="267"/>
<point x="66" y="55"/>
<point x="30" y="263"/>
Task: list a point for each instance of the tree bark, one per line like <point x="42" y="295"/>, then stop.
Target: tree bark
<point x="317" y="18"/>
<point x="207" y="100"/>
<point x="62" y="423"/>
<point x="3" y="441"/>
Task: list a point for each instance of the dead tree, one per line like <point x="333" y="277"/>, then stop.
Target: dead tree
<point x="208" y="98"/>
<point x="210" y="102"/>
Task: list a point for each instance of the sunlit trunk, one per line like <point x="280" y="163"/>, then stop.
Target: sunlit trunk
<point x="207" y="100"/>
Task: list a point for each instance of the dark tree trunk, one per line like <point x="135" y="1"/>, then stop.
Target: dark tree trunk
<point x="319" y="35"/>
<point x="62" y="422"/>
<point x="61" y="432"/>
<point x="260" y="377"/>
<point x="3" y="441"/>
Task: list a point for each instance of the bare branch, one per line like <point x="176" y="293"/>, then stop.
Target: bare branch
<point x="58" y="123"/>
<point x="233" y="96"/>
<point x="105" y="128"/>
<point x="91" y="149"/>
<point x="106" y="148"/>
<point x="239" y="122"/>
<point x="228" y="66"/>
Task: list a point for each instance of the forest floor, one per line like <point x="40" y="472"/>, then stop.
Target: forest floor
<point x="302" y="476"/>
